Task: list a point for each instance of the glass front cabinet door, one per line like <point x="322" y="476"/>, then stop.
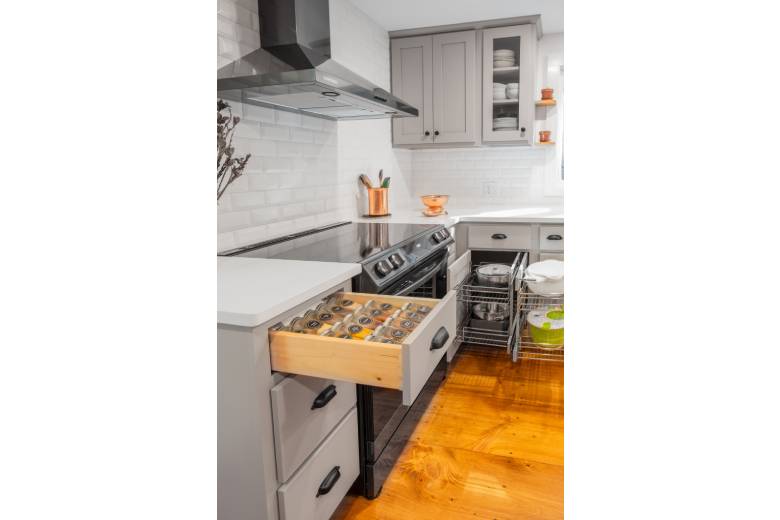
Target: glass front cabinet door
<point x="508" y="67"/>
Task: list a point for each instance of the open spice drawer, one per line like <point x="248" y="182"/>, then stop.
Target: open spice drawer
<point x="405" y="366"/>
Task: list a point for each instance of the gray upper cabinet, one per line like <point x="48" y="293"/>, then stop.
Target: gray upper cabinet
<point x="412" y="79"/>
<point x="438" y="75"/>
<point x="508" y="116"/>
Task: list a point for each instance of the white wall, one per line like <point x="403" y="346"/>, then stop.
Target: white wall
<point x="303" y="171"/>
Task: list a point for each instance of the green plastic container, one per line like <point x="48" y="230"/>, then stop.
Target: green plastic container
<point x="546" y="326"/>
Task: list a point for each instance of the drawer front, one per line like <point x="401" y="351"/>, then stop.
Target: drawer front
<point x="502" y="236"/>
<point x="403" y="366"/>
<point x="305" y="410"/>
<point x="551" y="256"/>
<point x="458" y="271"/>
<point x="298" y="498"/>
<point x="427" y="346"/>
<point x="551" y="238"/>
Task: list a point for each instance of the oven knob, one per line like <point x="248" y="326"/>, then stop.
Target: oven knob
<point x="397" y="260"/>
<point x="436" y="238"/>
<point x="383" y="268"/>
<point x="444" y="234"/>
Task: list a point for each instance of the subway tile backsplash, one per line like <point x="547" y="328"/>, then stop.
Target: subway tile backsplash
<point x="303" y="171"/>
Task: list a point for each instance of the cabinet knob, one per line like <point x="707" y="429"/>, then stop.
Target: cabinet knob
<point x="427" y="133"/>
<point x="435" y="132"/>
<point x="522" y="129"/>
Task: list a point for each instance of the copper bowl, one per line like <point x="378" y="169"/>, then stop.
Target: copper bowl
<point x="435" y="203"/>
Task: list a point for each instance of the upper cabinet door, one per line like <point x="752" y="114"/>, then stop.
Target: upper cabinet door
<point x="412" y="64"/>
<point x="454" y="84"/>
<point x="508" y="89"/>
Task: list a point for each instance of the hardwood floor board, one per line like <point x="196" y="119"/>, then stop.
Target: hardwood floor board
<point x="435" y="482"/>
<point x="489" y="446"/>
<point x="489" y="425"/>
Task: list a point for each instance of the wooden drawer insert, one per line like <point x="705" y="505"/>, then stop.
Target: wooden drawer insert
<point x="404" y="366"/>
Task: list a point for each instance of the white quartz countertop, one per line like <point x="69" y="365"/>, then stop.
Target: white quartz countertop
<point x="251" y="291"/>
<point x="520" y="214"/>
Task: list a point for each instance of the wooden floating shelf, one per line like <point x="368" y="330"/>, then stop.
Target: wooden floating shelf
<point x="546" y="143"/>
<point x="504" y="70"/>
<point x="546" y="103"/>
<point x="506" y="101"/>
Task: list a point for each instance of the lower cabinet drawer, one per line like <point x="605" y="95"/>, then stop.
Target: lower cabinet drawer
<point x="551" y="238"/>
<point x="304" y="411"/>
<point x="501" y="236"/>
<point x="316" y="489"/>
<point x="404" y="366"/>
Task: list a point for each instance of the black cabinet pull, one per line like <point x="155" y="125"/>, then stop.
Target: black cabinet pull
<point x="440" y="339"/>
<point x="427" y="133"/>
<point x="554" y="237"/>
<point x="435" y="132"/>
<point x="329" y="481"/>
<point x="324" y="397"/>
<point x="498" y="236"/>
<point x="522" y="129"/>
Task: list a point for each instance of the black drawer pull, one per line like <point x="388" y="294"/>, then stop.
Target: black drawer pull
<point x="324" y="397"/>
<point x="498" y="236"/>
<point x="329" y="481"/>
<point x="554" y="237"/>
<point x="440" y="339"/>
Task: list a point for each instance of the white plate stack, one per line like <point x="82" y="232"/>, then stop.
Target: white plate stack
<point x="505" y="123"/>
<point x="512" y="90"/>
<point x="499" y="91"/>
<point x="503" y="58"/>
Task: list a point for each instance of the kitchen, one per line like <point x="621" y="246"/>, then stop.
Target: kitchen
<point x="389" y="228"/>
<point x="409" y="188"/>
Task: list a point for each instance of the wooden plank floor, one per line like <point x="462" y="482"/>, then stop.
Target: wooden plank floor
<point x="490" y="446"/>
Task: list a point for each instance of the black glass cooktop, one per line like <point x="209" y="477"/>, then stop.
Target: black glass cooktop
<point x="351" y="242"/>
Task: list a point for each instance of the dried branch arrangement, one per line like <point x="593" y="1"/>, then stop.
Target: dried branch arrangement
<point x="229" y="168"/>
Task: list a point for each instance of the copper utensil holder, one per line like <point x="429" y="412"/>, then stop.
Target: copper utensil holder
<point x="378" y="202"/>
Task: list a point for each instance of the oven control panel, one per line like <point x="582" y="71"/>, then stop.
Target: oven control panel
<point x="404" y="259"/>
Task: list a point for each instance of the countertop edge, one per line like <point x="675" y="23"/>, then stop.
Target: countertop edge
<point x="251" y="320"/>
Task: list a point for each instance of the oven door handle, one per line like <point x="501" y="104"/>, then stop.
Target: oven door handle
<point x="430" y="270"/>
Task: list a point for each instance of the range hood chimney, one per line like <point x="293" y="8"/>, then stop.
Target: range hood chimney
<point x="294" y="70"/>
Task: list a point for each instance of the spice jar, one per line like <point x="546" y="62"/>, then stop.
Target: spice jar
<point x="304" y="326"/>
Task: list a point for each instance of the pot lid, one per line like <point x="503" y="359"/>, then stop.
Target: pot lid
<point x="549" y="269"/>
<point x="494" y="270"/>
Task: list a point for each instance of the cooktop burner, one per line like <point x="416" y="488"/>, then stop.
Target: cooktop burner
<point x="355" y="242"/>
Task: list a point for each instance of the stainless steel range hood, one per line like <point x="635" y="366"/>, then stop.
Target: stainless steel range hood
<point x="293" y="70"/>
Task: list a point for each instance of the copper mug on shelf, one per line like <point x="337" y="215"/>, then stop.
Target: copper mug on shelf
<point x="547" y="94"/>
<point x="378" y="202"/>
<point x="544" y="136"/>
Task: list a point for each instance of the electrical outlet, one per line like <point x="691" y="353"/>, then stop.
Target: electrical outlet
<point x="489" y="188"/>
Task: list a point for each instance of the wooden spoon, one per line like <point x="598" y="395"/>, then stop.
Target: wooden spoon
<point x="366" y="181"/>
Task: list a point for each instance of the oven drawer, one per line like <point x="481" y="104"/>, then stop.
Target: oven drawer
<point x="403" y="367"/>
<point x="314" y="492"/>
<point x="551" y="238"/>
<point x="501" y="236"/>
<point x="305" y="410"/>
